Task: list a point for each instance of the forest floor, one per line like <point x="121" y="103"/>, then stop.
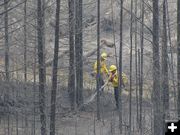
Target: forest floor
<point x="83" y="122"/>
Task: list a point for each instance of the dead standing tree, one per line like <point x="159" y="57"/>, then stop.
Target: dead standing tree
<point x="171" y="63"/>
<point x="41" y="61"/>
<point x="54" y="72"/>
<point x="156" y="72"/>
<point x="71" y="80"/>
<point x="141" y="67"/>
<point x="6" y="54"/>
<point x="25" y="42"/>
<point x="130" y="91"/>
<point x="98" y="60"/>
<point x="165" y="81"/>
<point x="25" y="61"/>
<point x="136" y="62"/>
<point x="120" y="67"/>
<point x="6" y="40"/>
<point x="79" y="52"/>
<point x="178" y="55"/>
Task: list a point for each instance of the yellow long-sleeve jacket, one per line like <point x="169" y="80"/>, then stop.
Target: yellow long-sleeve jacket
<point x="114" y="79"/>
<point x="103" y="67"/>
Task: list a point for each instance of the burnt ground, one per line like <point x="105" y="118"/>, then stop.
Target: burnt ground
<point x="83" y="122"/>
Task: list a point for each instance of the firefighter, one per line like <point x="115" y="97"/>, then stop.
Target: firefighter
<point x="103" y="69"/>
<point x="113" y="78"/>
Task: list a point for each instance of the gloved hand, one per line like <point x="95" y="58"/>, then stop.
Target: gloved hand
<point x="111" y="78"/>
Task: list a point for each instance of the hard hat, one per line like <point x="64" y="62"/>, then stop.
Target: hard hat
<point x="112" y="68"/>
<point x="104" y="56"/>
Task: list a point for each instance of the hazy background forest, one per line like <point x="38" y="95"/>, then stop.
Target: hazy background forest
<point x="47" y="52"/>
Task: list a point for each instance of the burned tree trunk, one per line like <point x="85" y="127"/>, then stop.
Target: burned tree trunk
<point x="156" y="72"/>
<point x="178" y="55"/>
<point x="25" y="41"/>
<point x="54" y="72"/>
<point x="6" y="55"/>
<point x="130" y="91"/>
<point x="41" y="61"/>
<point x="79" y="52"/>
<point x="98" y="60"/>
<point x="120" y="67"/>
<point x="136" y="63"/>
<point x="71" y="81"/>
<point x="165" y="81"/>
<point x="141" y="67"/>
<point x="6" y="40"/>
<point x="25" y="61"/>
